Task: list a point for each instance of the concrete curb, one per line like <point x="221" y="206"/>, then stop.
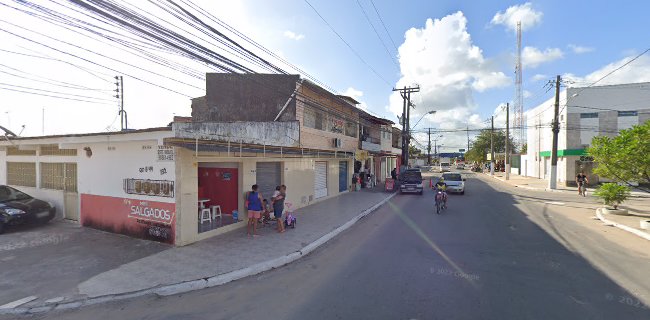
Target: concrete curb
<point x="198" y="284"/>
<point x="639" y="233"/>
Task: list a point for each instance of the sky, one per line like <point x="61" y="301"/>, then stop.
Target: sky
<point x="461" y="53"/>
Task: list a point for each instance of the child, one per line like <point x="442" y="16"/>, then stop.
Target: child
<point x="266" y="212"/>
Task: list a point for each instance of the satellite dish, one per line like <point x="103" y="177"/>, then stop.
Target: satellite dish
<point x="8" y="132"/>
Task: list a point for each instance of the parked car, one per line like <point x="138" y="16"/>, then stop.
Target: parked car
<point x="455" y="182"/>
<point x="411" y="181"/>
<point x="17" y="207"/>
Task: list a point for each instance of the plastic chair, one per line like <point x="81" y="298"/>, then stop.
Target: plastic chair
<point x="216" y="212"/>
<point x="205" y="215"/>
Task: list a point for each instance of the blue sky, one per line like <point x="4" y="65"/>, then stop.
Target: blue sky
<point x="463" y="58"/>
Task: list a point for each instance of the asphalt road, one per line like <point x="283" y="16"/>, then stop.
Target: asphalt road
<point x="496" y="253"/>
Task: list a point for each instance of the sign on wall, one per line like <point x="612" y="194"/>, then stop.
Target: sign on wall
<point x="143" y="219"/>
<point x="146" y="187"/>
<point x="165" y="153"/>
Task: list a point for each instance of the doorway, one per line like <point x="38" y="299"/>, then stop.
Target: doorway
<point x="218" y="186"/>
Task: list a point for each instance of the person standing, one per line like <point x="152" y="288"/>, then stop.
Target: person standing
<point x="393" y="173"/>
<point x="278" y="206"/>
<point x="254" y="206"/>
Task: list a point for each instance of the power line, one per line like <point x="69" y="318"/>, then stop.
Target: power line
<point x="383" y="24"/>
<point x="348" y="44"/>
<point x="390" y="56"/>
<point x="51" y="96"/>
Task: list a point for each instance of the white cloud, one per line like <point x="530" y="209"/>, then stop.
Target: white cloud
<point x="356" y="94"/>
<point x="637" y="71"/>
<point x="525" y="13"/>
<point x="527" y="94"/>
<point x="442" y="59"/>
<point x="539" y="77"/>
<point x="294" y="36"/>
<point x="580" y="49"/>
<point x="532" y="57"/>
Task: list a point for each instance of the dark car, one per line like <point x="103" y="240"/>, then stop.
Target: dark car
<point x="17" y="207"/>
<point x="411" y="181"/>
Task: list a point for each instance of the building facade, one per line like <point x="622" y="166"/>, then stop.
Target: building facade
<point x="584" y="114"/>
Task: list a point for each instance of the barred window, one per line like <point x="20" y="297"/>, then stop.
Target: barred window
<point x="59" y="176"/>
<point x="14" y="151"/>
<point x="628" y="113"/>
<point x="53" y="150"/>
<point x="21" y="174"/>
<point x="589" y="115"/>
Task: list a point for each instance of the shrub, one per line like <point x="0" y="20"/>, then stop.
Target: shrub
<point x="612" y="194"/>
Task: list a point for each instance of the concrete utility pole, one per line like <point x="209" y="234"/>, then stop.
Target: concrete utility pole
<point x="492" y="148"/>
<point x="119" y="82"/>
<point x="406" y="112"/>
<point x="507" y="161"/>
<point x="429" y="149"/>
<point x="552" y="182"/>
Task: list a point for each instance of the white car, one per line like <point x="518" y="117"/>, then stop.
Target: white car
<point x="444" y="167"/>
<point x="455" y="182"/>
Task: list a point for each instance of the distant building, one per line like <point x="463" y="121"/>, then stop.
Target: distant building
<point x="584" y="113"/>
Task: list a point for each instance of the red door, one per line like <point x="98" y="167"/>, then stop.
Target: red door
<point x="220" y="186"/>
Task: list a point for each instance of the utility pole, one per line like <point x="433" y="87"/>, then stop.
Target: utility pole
<point x="119" y="82"/>
<point x="507" y="161"/>
<point x="406" y="112"/>
<point x="492" y="148"/>
<point x="466" y="150"/>
<point x="429" y="149"/>
<point x="552" y="183"/>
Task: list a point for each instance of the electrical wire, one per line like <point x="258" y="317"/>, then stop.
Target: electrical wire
<point x="348" y="44"/>
<point x="390" y="56"/>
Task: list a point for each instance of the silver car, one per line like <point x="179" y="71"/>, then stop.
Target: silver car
<point x="455" y="182"/>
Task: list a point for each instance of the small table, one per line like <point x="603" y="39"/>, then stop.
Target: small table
<point x="202" y="203"/>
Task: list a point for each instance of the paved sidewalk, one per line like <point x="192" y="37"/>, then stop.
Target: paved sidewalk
<point x="542" y="185"/>
<point x="225" y="253"/>
<point x="638" y="205"/>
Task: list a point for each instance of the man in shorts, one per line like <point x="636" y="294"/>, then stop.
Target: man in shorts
<point x="254" y="206"/>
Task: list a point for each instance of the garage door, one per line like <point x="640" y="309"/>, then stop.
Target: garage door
<point x="320" y="183"/>
<point x="343" y="176"/>
<point x="268" y="176"/>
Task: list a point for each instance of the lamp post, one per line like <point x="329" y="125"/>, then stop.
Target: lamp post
<point x="416" y="124"/>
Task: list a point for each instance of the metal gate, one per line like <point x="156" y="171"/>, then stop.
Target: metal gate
<point x="320" y="183"/>
<point x="268" y="175"/>
<point x="343" y="176"/>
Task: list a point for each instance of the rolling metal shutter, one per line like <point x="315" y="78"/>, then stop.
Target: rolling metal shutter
<point x="320" y="183"/>
<point x="268" y="176"/>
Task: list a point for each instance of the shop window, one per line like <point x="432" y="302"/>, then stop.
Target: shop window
<point x="21" y="174"/>
<point x="59" y="176"/>
<point x="53" y="150"/>
<point x="14" y="151"/>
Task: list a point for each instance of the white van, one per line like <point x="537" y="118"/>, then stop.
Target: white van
<point x="444" y="167"/>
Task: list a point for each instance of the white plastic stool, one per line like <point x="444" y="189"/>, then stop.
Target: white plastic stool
<point x="216" y="211"/>
<point x="205" y="215"/>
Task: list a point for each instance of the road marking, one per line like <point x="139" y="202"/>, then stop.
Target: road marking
<point x="555" y="203"/>
<point x="16" y="303"/>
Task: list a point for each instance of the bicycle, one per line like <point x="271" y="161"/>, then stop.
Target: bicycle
<point x="582" y="188"/>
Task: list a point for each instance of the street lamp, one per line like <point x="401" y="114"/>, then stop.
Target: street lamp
<point x="430" y="112"/>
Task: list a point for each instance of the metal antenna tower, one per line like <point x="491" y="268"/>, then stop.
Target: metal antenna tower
<point x="518" y="123"/>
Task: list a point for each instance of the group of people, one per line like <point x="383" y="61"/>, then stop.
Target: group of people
<point x="259" y="208"/>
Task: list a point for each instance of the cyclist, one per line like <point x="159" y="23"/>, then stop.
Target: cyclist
<point x="581" y="179"/>
<point x="442" y="186"/>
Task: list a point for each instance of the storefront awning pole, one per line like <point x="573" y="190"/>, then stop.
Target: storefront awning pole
<point x="196" y="147"/>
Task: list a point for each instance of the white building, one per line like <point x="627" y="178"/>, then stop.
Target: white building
<point x="584" y="113"/>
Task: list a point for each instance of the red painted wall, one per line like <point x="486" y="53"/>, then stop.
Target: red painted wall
<point x="143" y="219"/>
<point x="220" y="185"/>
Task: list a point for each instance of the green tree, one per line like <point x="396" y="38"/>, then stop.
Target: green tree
<point x="624" y="158"/>
<point x="612" y="194"/>
<point x="524" y="148"/>
<point x="481" y="145"/>
<point x="414" y="151"/>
